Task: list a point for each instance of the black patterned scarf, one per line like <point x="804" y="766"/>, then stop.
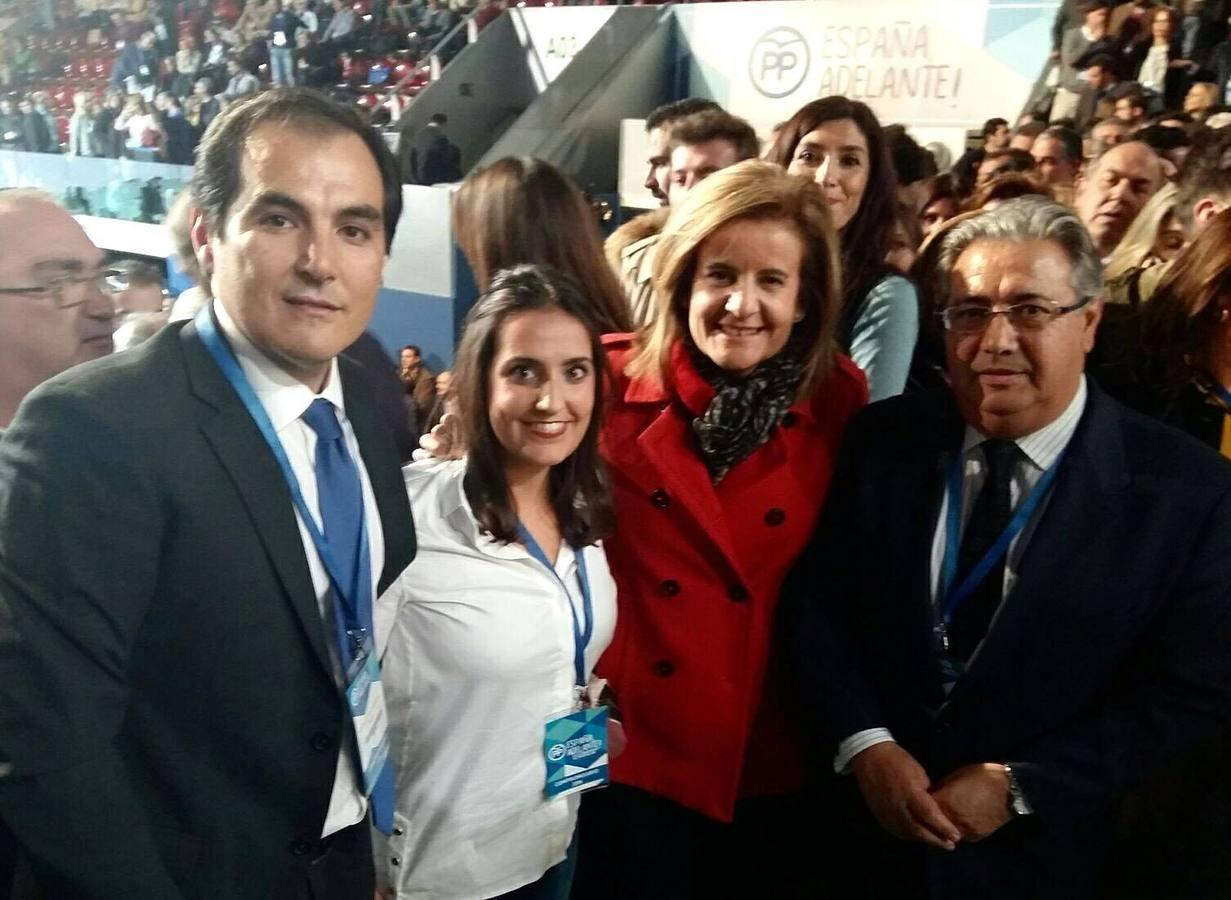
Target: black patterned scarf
<point x="745" y="408"/>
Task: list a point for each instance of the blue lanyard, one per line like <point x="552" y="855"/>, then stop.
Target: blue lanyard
<point x="581" y="634"/>
<point x="355" y="610"/>
<point x="951" y="598"/>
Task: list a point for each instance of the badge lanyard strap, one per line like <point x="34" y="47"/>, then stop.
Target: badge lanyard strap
<point x="581" y="633"/>
<point x="953" y="598"/>
<point x="222" y="353"/>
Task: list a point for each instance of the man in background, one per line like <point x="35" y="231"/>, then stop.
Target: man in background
<point x="658" y="127"/>
<point x="429" y="156"/>
<point x="55" y="304"/>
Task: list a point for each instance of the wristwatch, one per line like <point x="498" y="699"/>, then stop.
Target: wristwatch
<point x="1018" y="803"/>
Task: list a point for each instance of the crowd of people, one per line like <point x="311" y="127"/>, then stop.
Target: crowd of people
<point x="160" y="72"/>
<point x="858" y="523"/>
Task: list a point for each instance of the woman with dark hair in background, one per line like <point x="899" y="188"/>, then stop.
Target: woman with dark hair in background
<point x="840" y="144"/>
<point x="941" y="201"/>
<point x="498" y="623"/>
<point x="1155" y="60"/>
<point x="524" y="210"/>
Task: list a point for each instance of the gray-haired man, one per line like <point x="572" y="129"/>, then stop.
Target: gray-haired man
<point x="1026" y="594"/>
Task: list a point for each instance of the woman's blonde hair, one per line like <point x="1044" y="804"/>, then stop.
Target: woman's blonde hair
<point x="759" y="191"/>
<point x="1138" y="242"/>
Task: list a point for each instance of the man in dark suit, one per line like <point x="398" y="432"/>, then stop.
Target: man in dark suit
<point x="429" y="157"/>
<point x="175" y="631"/>
<point x="1019" y="598"/>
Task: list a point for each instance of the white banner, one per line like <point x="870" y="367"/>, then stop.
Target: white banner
<point x="918" y="62"/>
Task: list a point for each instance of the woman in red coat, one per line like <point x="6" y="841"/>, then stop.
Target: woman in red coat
<point x="725" y="423"/>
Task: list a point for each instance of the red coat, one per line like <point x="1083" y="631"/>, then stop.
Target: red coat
<point x="699" y="568"/>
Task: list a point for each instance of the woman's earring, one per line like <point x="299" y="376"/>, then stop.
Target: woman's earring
<point x="799" y="316"/>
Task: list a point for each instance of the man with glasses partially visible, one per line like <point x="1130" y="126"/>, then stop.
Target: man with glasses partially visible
<point x="55" y="296"/>
<point x="1021" y="590"/>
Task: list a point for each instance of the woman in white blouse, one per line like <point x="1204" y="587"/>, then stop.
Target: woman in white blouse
<point x="495" y="628"/>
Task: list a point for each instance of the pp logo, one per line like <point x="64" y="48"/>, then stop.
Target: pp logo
<point x="779" y="62"/>
<point x="556" y="753"/>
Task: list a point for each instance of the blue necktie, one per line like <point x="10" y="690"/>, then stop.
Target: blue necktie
<point x="340" y="497"/>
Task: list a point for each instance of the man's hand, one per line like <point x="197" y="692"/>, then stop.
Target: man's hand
<point x="976" y="798"/>
<point x="895" y="787"/>
<point x="444" y="441"/>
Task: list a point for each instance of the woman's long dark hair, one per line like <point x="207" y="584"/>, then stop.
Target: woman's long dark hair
<point x="523" y="210"/>
<point x="578" y="486"/>
<point x="865" y="237"/>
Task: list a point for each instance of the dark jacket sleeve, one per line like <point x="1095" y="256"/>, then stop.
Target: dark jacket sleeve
<point x="823" y="592"/>
<point x="1175" y="691"/>
<point x="80" y="527"/>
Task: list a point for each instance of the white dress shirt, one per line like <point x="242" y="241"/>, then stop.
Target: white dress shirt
<point x="1039" y="451"/>
<point x="285" y="399"/>
<point x="1153" y="72"/>
<point x="479" y="658"/>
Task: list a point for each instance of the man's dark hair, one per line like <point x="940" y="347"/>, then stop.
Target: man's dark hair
<point x="1206" y="172"/>
<point x="216" y="179"/>
<point x="1069" y="139"/>
<point x="439" y="119"/>
<point x="716" y="124"/>
<point x="1130" y="90"/>
<point x="1030" y="129"/>
<point x="414" y="347"/>
<point x="991" y="126"/>
<point x="669" y="112"/>
<point x="1104" y="61"/>
<point x="1162" y="138"/>
<point x="1021" y="160"/>
<point x="911" y="162"/>
<point x="1089" y="6"/>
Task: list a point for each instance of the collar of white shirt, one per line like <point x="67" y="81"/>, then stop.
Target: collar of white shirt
<point x="284" y="397"/>
<point x="1042" y="447"/>
<point x="455" y="508"/>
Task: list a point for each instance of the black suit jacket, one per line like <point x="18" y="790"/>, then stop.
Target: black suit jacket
<point x="169" y="724"/>
<point x="431" y="158"/>
<point x="1108" y="656"/>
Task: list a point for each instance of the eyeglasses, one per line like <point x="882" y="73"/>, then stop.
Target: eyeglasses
<point x="973" y="318"/>
<point x="73" y="290"/>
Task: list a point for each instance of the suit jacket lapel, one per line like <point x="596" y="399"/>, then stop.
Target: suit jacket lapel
<point x="247" y="460"/>
<point x="380" y="459"/>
